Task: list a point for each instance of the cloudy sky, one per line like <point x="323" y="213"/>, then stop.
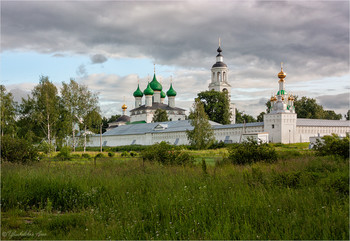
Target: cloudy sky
<point x="109" y="45"/>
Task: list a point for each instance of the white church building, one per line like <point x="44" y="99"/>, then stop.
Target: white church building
<point x="280" y="125"/>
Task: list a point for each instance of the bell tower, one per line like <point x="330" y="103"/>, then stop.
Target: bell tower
<point x="219" y="80"/>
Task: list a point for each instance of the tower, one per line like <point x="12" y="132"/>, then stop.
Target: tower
<point x="219" y="80"/>
<point x="156" y="87"/>
<point x="171" y="93"/>
<point x="124" y="107"/>
<point x="280" y="123"/>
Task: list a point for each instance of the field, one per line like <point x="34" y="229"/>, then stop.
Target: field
<point x="299" y="197"/>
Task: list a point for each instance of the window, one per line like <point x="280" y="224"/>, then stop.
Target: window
<point x="273" y="126"/>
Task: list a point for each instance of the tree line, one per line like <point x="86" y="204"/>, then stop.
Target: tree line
<point x="47" y="116"/>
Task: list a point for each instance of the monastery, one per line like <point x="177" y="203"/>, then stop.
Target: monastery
<point x="280" y="125"/>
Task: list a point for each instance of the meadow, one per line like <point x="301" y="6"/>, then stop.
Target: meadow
<point x="301" y="196"/>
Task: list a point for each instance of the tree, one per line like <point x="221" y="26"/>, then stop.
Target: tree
<point x="260" y="117"/>
<point x="8" y="112"/>
<point x="243" y="118"/>
<point x="216" y="106"/>
<point x="92" y="121"/>
<point x="160" y="116"/>
<point x="347" y="115"/>
<point x="46" y="102"/>
<point x="202" y="135"/>
<point x="78" y="101"/>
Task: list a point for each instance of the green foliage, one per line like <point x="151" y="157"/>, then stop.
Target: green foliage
<point x="347" y="115"/>
<point x="251" y="151"/>
<point x="202" y="135"/>
<point x="133" y="153"/>
<point x="125" y="154"/>
<point x="204" y="166"/>
<point x="85" y="155"/>
<point x="99" y="155"/>
<point x="8" y="110"/>
<point x="65" y="153"/>
<point x="166" y="154"/>
<point x="260" y="117"/>
<point x="333" y="145"/>
<point x="216" y="105"/>
<point x="46" y="148"/>
<point x="17" y="150"/>
<point x="111" y="154"/>
<point x="243" y="118"/>
<point x="160" y="116"/>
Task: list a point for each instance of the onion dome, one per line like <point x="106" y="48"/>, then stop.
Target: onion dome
<point x="148" y="90"/>
<point x="219" y="59"/>
<point x="155" y="85"/>
<point x="281" y="74"/>
<point x="124" y="107"/>
<point x="291" y="97"/>
<point x="162" y="94"/>
<point x="272" y="98"/>
<point x="281" y="92"/>
<point x="171" y="91"/>
<point x="138" y="92"/>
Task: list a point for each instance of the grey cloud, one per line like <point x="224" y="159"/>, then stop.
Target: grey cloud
<point x="81" y="70"/>
<point x="311" y="37"/>
<point x="340" y="101"/>
<point x="98" y="59"/>
<point x="58" y="55"/>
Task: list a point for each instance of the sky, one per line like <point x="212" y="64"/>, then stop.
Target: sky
<point x="111" y="45"/>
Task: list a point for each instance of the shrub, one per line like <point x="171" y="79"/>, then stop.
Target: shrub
<point x="333" y="145"/>
<point x="99" y="155"/>
<point x="85" y="155"/>
<point x="167" y="154"/>
<point x="250" y="151"/>
<point x="111" y="154"/>
<point x="133" y="153"/>
<point x="18" y="150"/>
<point x="46" y="147"/>
<point x="125" y="154"/>
<point x="65" y="153"/>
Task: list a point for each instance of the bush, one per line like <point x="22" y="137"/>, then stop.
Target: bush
<point x="85" y="155"/>
<point x="111" y="154"/>
<point x="333" y="145"/>
<point x="99" y="155"/>
<point x="65" y="153"/>
<point x="250" y="151"/>
<point x="167" y="154"/>
<point x="18" y="150"/>
<point x="46" y="147"/>
<point x="125" y="154"/>
<point x="133" y="153"/>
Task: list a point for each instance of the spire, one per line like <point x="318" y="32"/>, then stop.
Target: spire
<point x="154" y="66"/>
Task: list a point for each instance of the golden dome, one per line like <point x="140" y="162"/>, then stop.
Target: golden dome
<point x="275" y="98"/>
<point x="272" y="98"/>
<point x="124" y="107"/>
<point x="291" y="97"/>
<point x="281" y="74"/>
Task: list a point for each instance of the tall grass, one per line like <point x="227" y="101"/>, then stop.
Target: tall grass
<point x="304" y="198"/>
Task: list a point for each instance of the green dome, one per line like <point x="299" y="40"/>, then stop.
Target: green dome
<point x="162" y="94"/>
<point x="155" y="85"/>
<point x="148" y="90"/>
<point x="171" y="91"/>
<point x="138" y="92"/>
<point x="281" y="92"/>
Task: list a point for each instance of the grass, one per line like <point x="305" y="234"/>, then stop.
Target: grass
<point x="299" y="197"/>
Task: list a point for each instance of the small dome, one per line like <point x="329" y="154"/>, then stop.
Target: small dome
<point x="219" y="64"/>
<point x="171" y="91"/>
<point x="162" y="94"/>
<point x="282" y="75"/>
<point x="124" y="107"/>
<point x="281" y="92"/>
<point x="219" y="49"/>
<point x="291" y="97"/>
<point x="138" y="92"/>
<point x="148" y="90"/>
<point x="272" y="98"/>
<point x="155" y="85"/>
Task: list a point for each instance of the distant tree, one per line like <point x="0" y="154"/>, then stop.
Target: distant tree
<point x="92" y="121"/>
<point x="78" y="101"/>
<point x="347" y="115"/>
<point x="260" y="117"/>
<point x="160" y="116"/>
<point x="243" y="118"/>
<point x="8" y="112"/>
<point x="113" y="118"/>
<point x="216" y="106"/>
<point x="331" y="115"/>
<point x="202" y="136"/>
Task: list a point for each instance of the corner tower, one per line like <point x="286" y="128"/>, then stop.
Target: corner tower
<point x="219" y="80"/>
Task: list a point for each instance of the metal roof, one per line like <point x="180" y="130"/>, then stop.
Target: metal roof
<point x="168" y="126"/>
<point x="325" y="123"/>
<point x="253" y="124"/>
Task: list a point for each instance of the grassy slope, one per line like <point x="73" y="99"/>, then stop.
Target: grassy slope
<point x="301" y="197"/>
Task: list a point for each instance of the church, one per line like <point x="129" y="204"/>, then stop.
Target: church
<point x="280" y="125"/>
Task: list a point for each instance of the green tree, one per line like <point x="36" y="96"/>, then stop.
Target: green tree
<point x="347" y="115"/>
<point x="260" y="117"/>
<point x="202" y="135"/>
<point x="160" y="116"/>
<point x="78" y="101"/>
<point x="216" y="106"/>
<point x="27" y="126"/>
<point x="243" y="118"/>
<point x="46" y="106"/>
<point x="8" y="112"/>
<point x="92" y="122"/>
